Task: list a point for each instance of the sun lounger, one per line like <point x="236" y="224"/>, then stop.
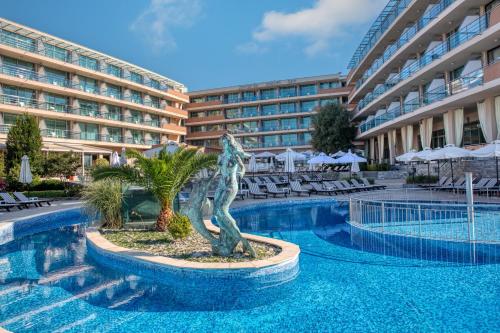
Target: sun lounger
<point x="9" y="200"/>
<point x="367" y="183"/>
<point x="319" y="189"/>
<point x="255" y="192"/>
<point x="297" y="188"/>
<point x="277" y="180"/>
<point x="272" y="189"/>
<point x="363" y="187"/>
<point x="22" y="198"/>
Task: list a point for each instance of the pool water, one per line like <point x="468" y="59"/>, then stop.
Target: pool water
<point x="48" y="283"/>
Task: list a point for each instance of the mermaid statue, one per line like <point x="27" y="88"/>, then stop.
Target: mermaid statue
<point x="230" y="167"/>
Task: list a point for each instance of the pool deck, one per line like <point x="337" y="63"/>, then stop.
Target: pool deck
<point x="16" y="214"/>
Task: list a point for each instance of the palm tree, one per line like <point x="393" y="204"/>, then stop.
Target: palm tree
<point x="164" y="176"/>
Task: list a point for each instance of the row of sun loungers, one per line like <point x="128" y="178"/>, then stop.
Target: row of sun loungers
<point x="20" y="201"/>
<point x="481" y="186"/>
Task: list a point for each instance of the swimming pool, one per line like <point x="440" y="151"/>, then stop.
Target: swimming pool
<point x="48" y="283"/>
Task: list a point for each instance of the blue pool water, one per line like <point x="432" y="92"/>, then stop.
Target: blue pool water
<point x="48" y="283"/>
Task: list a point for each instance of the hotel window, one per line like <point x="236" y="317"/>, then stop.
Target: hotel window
<point x="233" y="113"/>
<point x="306" y="122"/>
<point x="270" y="109"/>
<point x="232" y="98"/>
<point x="309" y="89"/>
<point x="289" y="140"/>
<point x="289" y="123"/>
<point x="114" y="134"/>
<point x="250" y="126"/>
<point x="249" y="96"/>
<point x="56" y="128"/>
<point x="137" y="78"/>
<point x="154" y="84"/>
<point x="324" y="102"/>
<point x="88" y="108"/>
<point x="270" y="125"/>
<point x="114" y="112"/>
<point x="494" y="56"/>
<point x="268" y="93"/>
<point x="330" y="85"/>
<point x="307" y="138"/>
<point x="19" y="68"/>
<point x="18" y="41"/>
<point x="438" y="139"/>
<point x="287" y="107"/>
<point x="473" y="134"/>
<point x="136" y="117"/>
<point x="196" y="129"/>
<point x="233" y="128"/>
<point x="136" y="97"/>
<point x="56" y="77"/>
<point x="155" y="120"/>
<point x="198" y="100"/>
<point x="213" y="128"/>
<point x="19" y="96"/>
<point x="88" y="131"/>
<point x="88" y="85"/>
<point x="55" y="52"/>
<point x="137" y="137"/>
<point x="114" y="91"/>
<point x="200" y="114"/>
<point x="308" y="106"/>
<point x="251" y="142"/>
<point x="155" y="101"/>
<point x="271" y="140"/>
<point x="213" y="98"/>
<point x="88" y="62"/>
<point x="9" y="119"/>
<point x="213" y="113"/>
<point x="56" y="103"/>
<point x="250" y="111"/>
<point x="114" y="70"/>
<point x="288" y="92"/>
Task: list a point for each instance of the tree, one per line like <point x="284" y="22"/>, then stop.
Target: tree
<point x="164" y="176"/>
<point x="24" y="139"/>
<point x="333" y="129"/>
<point x="61" y="165"/>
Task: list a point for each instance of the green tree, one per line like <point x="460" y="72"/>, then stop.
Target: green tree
<point x="164" y="176"/>
<point x="333" y="129"/>
<point x="24" y="138"/>
<point x="61" y="165"/>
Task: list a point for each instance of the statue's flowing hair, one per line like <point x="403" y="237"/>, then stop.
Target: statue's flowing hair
<point x="235" y="145"/>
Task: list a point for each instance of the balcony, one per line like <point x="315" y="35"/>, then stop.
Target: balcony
<point x="464" y="83"/>
<point x="30" y="45"/>
<point x="472" y="30"/>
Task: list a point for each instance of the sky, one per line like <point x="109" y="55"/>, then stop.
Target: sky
<point x="210" y="43"/>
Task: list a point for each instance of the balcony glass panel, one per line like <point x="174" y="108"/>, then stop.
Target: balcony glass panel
<point x="114" y="112"/>
<point x="289" y="140"/>
<point x="287" y="108"/>
<point x="250" y="126"/>
<point x="18" y="41"/>
<point x="250" y="142"/>
<point x="114" y="135"/>
<point x="330" y="85"/>
<point x="135" y="117"/>
<point x="268" y="93"/>
<point x="56" y="52"/>
<point x="19" y="96"/>
<point x="306" y="122"/>
<point x="137" y="78"/>
<point x="214" y="113"/>
<point x="270" y="125"/>
<point x="88" y="62"/>
<point x="288" y="92"/>
<point x="268" y="110"/>
<point x="232" y="98"/>
<point x="137" y="137"/>
<point x="114" y="70"/>
<point x="289" y="123"/>
<point x="213" y="98"/>
<point x="88" y="85"/>
<point x="154" y="84"/>
<point x="327" y="101"/>
<point x="56" y="103"/>
<point x="18" y="68"/>
<point x="250" y="111"/>
<point x="249" y="96"/>
<point x="89" y="132"/>
<point x="308" y="106"/>
<point x="155" y="101"/>
<point x="309" y="89"/>
<point x="136" y="97"/>
<point x="56" y="128"/>
<point x="56" y="77"/>
<point x="271" y="140"/>
<point x="113" y="91"/>
<point x="233" y="113"/>
<point x="88" y="108"/>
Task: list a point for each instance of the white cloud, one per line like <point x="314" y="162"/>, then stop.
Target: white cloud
<point x="319" y="24"/>
<point x="157" y="21"/>
<point x="251" y="47"/>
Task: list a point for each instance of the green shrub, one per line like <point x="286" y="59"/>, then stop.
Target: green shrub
<point x="48" y="194"/>
<point x="103" y="199"/>
<point x="101" y="162"/>
<point x="179" y="226"/>
<point x="47" y="185"/>
<point x="421" y="179"/>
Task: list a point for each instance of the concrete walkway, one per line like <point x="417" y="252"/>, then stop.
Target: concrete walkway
<point x="16" y="214"/>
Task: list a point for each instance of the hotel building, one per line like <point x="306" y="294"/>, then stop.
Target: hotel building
<point x="427" y="74"/>
<point x="270" y="116"/>
<point x="83" y="99"/>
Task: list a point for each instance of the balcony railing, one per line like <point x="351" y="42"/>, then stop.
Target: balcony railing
<point x="465" y="82"/>
<point x="275" y="144"/>
<point x="31" y="46"/>
<point x="472" y="30"/>
<point x="404" y="39"/>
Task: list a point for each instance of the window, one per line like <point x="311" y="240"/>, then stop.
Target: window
<point x="287" y="107"/>
<point x="200" y="114"/>
<point x="56" y="52"/>
<point x="55" y="77"/>
<point x="88" y="85"/>
<point x="249" y="96"/>
<point x="309" y="89"/>
<point x="308" y="106"/>
<point x="250" y="111"/>
<point x="56" y="103"/>
<point x="213" y="128"/>
<point x="19" y="96"/>
<point x="19" y="68"/>
<point x="88" y="108"/>
<point x="456" y="73"/>
<point x="324" y="102"/>
<point x="271" y="140"/>
<point x="494" y="56"/>
<point x="438" y="139"/>
<point x="114" y="112"/>
<point x="18" y="41"/>
<point x="307" y="138"/>
<point x="233" y="113"/>
<point x="136" y="97"/>
<point x="137" y="78"/>
<point x="198" y="100"/>
<point x="306" y="122"/>
<point x="268" y="93"/>
<point x="250" y="126"/>
<point x="154" y="84"/>
<point x="233" y="128"/>
<point x="212" y="98"/>
<point x="88" y="62"/>
<point x="289" y="123"/>
<point x="268" y="110"/>
<point x="155" y="120"/>
<point x="232" y="98"/>
<point x="330" y="85"/>
<point x="473" y="134"/>
<point x="56" y="128"/>
<point x="155" y="138"/>
<point x="114" y="134"/>
<point x="114" y="91"/>
<point x="251" y="142"/>
<point x="196" y="129"/>
<point x="155" y="101"/>
<point x="270" y="125"/>
<point x="114" y="70"/>
<point x="89" y="132"/>
<point x="136" y="117"/>
<point x="289" y="140"/>
<point x="287" y="92"/>
<point x="9" y="119"/>
<point x="213" y="113"/>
